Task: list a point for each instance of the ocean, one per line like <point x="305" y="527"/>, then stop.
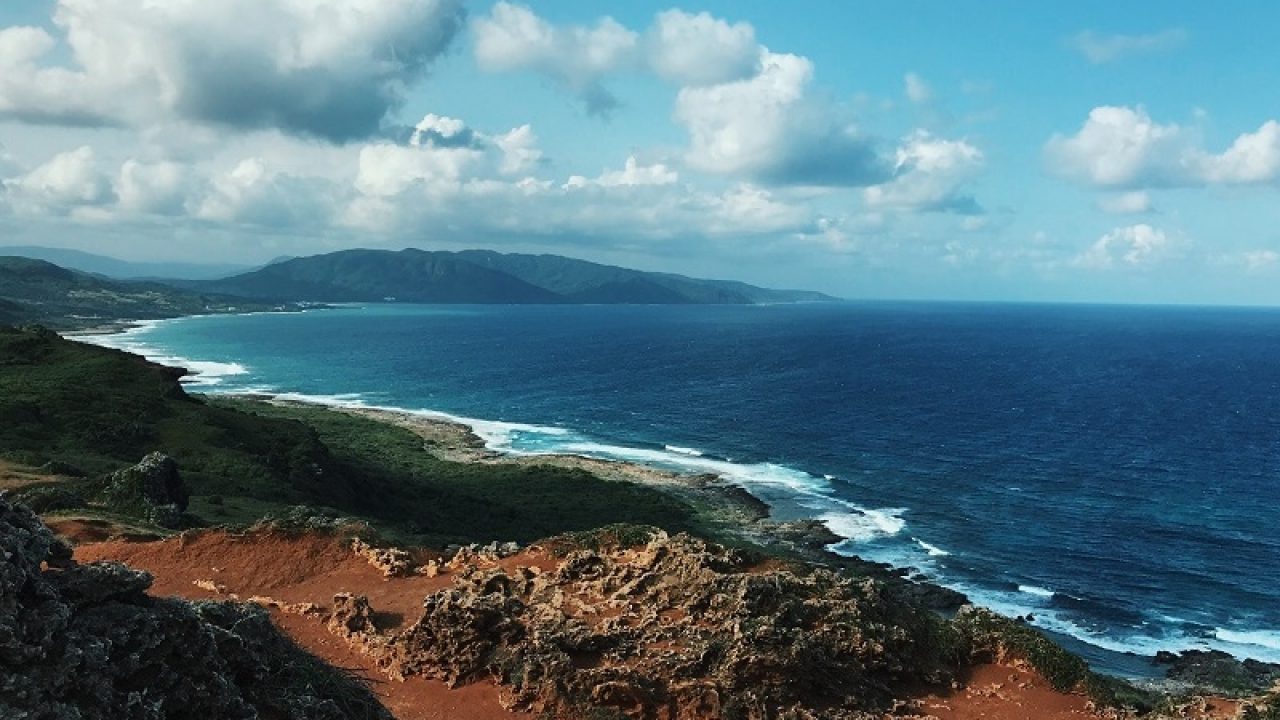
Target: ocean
<point x="1112" y="471"/>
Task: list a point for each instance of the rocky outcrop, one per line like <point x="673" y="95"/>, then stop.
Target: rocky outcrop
<point x="85" y="642"/>
<point x="673" y="628"/>
<point x="1220" y="672"/>
<point x="153" y="488"/>
<point x="393" y="562"/>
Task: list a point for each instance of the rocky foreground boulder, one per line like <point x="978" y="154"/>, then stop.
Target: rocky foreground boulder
<point x="152" y="489"/>
<point x="85" y="641"/>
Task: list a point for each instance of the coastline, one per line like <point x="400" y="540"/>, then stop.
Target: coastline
<point x="731" y="512"/>
<point x="733" y="515"/>
<point x="723" y="503"/>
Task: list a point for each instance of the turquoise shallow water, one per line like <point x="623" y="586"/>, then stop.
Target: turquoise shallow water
<point x="1113" y="471"/>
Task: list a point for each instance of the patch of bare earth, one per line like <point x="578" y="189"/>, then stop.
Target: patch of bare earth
<point x="295" y="573"/>
<point x="1003" y="692"/>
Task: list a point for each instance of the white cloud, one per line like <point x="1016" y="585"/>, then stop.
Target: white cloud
<point x="1099" y="49"/>
<point x="929" y="174"/>
<point x="1126" y="203"/>
<point x="1122" y="147"/>
<point x="1119" y="147"/>
<point x="160" y="188"/>
<point x="388" y="169"/>
<point x="325" y="68"/>
<point x="1252" y="158"/>
<point x="68" y="180"/>
<point x="687" y="49"/>
<point x="749" y="112"/>
<point x="767" y="127"/>
<point x="253" y="193"/>
<point x="632" y="173"/>
<point x="917" y="90"/>
<point x="520" y="152"/>
<point x="1134" y="246"/>
<point x="438" y="130"/>
<point x="1257" y="260"/>
<point x="444" y="151"/>
<point x="512" y="37"/>
<point x="701" y="49"/>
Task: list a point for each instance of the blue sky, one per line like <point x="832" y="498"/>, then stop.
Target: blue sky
<point x="1088" y="151"/>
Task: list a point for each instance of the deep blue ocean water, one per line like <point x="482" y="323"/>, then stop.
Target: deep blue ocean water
<point x="1114" y="471"/>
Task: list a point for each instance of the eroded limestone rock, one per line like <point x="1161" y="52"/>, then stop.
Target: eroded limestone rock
<point x="85" y="642"/>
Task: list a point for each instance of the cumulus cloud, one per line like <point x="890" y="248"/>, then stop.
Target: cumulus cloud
<point x="1099" y="49"/>
<point x="1122" y="147"/>
<point x="687" y="49"/>
<point x="520" y="152"/>
<point x="160" y="188"/>
<point x="403" y="187"/>
<point x="331" y="69"/>
<point x="632" y="173"/>
<point x="67" y="181"/>
<point x="1132" y="246"/>
<point x="254" y="193"/>
<point x="701" y="49"/>
<point x="768" y="127"/>
<point x="444" y="151"/>
<point x="929" y="175"/>
<point x="1119" y="147"/>
<point x="749" y="112"/>
<point x="512" y="37"/>
<point x="1252" y="158"/>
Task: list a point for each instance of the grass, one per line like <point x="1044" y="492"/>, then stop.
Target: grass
<point x="448" y="501"/>
<point x="994" y="636"/>
<point x="89" y="411"/>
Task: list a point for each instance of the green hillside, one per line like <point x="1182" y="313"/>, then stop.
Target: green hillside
<point x="81" y="411"/>
<point x="583" y="281"/>
<point x="481" y="276"/>
<point x="35" y="291"/>
<point x="375" y="275"/>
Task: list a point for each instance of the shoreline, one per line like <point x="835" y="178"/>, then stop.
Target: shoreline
<point x="725" y="506"/>
<point x="735" y="514"/>
<point x="721" y="502"/>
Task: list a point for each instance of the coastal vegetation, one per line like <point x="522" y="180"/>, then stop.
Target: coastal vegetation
<point x="35" y="291"/>
<point x="81" y="412"/>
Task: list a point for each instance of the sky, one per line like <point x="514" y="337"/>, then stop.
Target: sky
<point x="1002" y="150"/>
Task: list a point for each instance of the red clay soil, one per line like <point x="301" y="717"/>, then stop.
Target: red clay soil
<point x="302" y="569"/>
<point x="311" y="569"/>
<point x="999" y="692"/>
<point x="995" y="692"/>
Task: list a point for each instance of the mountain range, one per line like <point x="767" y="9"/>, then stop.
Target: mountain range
<point x="123" y="269"/>
<point x="34" y="290"/>
<point x="481" y="276"/>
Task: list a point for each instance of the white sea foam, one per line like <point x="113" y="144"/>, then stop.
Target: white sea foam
<point x="1261" y="645"/>
<point x="203" y="373"/>
<point x="1035" y="590"/>
<point x="1269" y="639"/>
<point x="865" y="524"/>
<point x="933" y="550"/>
<point x="692" y="452"/>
